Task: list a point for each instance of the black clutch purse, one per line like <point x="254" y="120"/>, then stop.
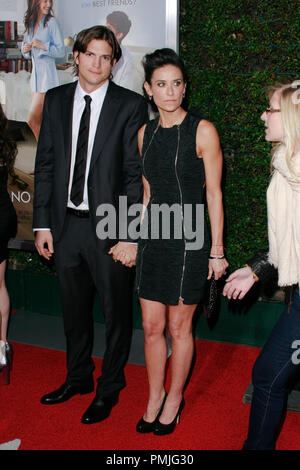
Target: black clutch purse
<point x="212" y="298"/>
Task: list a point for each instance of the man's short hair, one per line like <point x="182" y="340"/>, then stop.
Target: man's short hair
<point x="120" y="21"/>
<point x="96" y="32"/>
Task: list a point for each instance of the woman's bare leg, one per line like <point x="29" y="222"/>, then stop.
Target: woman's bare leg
<point x="36" y="113"/>
<point x="180" y="326"/>
<point x="154" y="322"/>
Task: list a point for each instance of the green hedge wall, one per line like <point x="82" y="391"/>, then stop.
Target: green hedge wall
<point x="233" y="51"/>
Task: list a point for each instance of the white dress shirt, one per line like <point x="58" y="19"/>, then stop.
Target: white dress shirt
<point x="79" y="105"/>
<point x="97" y="97"/>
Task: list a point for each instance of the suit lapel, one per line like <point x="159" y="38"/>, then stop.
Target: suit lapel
<point x="67" y="117"/>
<point x="106" y="121"/>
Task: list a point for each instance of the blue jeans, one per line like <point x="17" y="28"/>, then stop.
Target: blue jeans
<point x="272" y="370"/>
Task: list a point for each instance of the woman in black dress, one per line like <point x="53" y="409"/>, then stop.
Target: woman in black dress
<point x="181" y="157"/>
<point x="8" y="228"/>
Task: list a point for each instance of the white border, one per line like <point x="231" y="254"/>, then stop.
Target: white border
<point x="172" y="24"/>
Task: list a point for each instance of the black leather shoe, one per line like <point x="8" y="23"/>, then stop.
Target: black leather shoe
<point x="99" y="410"/>
<point x="65" y="392"/>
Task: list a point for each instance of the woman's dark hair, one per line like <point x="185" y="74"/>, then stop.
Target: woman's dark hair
<point x="96" y="32"/>
<point x="160" y="58"/>
<point x="32" y="13"/>
<point x="8" y="147"/>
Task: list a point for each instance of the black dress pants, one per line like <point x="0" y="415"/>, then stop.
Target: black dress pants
<point x="82" y="266"/>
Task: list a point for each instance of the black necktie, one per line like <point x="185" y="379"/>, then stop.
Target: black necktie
<point x="81" y="154"/>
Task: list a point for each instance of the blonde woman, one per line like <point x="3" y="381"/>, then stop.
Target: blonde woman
<point x="279" y="359"/>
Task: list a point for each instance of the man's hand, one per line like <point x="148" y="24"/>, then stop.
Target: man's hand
<point x="238" y="283"/>
<point x="125" y="253"/>
<point x="44" y="243"/>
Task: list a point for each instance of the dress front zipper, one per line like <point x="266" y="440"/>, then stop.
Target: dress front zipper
<point x="143" y="163"/>
<point x="181" y="203"/>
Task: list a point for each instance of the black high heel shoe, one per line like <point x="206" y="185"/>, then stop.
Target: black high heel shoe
<point x="5" y="365"/>
<point x="163" y="429"/>
<point x="145" y="427"/>
<point x="9" y="354"/>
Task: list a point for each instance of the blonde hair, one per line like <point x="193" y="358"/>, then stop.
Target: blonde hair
<point x="290" y="115"/>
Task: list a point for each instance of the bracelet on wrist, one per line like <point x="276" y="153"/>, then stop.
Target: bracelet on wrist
<point x="255" y="277"/>
<point x="217" y="257"/>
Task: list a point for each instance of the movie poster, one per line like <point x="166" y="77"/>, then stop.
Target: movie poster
<point x="140" y="27"/>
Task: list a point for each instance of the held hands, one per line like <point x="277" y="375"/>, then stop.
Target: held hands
<point x="125" y="253"/>
<point x="238" y="283"/>
<point x="44" y="243"/>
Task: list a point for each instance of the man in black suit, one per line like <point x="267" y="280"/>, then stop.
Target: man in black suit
<point x="87" y="155"/>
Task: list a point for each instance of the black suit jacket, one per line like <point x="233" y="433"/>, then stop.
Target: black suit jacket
<point x="115" y="167"/>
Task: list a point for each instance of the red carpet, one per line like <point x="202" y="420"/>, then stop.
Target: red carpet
<point x="214" y="417"/>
